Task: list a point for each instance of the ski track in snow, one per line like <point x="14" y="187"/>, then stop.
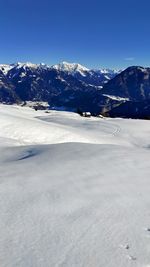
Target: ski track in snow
<point x="73" y="191"/>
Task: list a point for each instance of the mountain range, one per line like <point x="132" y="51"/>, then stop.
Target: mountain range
<point x="72" y="86"/>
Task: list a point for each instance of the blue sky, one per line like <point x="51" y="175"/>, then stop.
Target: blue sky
<point x="95" y="33"/>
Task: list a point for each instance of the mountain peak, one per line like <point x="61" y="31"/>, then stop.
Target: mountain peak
<point x="25" y="64"/>
<point x="70" y="67"/>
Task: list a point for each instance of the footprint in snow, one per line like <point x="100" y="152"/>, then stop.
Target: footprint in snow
<point x="148" y="231"/>
<point x="130" y="257"/>
<point x="133" y="258"/>
<point x="126" y="246"/>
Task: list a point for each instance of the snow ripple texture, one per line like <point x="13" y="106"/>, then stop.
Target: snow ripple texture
<point x="73" y="191"/>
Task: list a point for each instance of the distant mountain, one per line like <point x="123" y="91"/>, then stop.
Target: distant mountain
<point x="89" y="76"/>
<point x="28" y="81"/>
<point x="75" y="87"/>
<point x="71" y="86"/>
<point x="71" y="68"/>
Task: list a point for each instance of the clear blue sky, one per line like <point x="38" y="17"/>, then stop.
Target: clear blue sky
<point x="95" y="33"/>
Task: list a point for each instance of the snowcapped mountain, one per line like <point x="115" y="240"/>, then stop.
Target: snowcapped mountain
<point x="75" y="67"/>
<point x="5" y="68"/>
<point x="70" y="67"/>
<point x="90" y="76"/>
<point x="68" y="85"/>
<point x="73" y="86"/>
<point x="31" y="82"/>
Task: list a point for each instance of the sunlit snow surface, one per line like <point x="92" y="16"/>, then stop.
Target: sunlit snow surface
<point x="73" y="191"/>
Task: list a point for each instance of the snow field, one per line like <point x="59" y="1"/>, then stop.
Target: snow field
<point x="73" y="191"/>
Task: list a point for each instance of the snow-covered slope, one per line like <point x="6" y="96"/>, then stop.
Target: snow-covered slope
<point x="73" y="191"/>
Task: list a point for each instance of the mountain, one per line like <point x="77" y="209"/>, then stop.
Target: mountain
<point x="132" y="86"/>
<point x="7" y="89"/>
<point x="71" y="68"/>
<point x="43" y="83"/>
<point x="132" y="83"/>
<point x="62" y="85"/>
<point x="89" y="76"/>
<point x="72" y="86"/>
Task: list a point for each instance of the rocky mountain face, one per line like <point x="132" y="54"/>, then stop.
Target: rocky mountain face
<point x="133" y="85"/>
<point x="74" y="87"/>
<point x="7" y="89"/>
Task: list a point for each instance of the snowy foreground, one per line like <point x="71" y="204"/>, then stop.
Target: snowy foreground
<point x="73" y="191"/>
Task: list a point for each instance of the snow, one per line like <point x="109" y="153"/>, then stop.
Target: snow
<point x="117" y="98"/>
<point x="24" y="65"/>
<point x="71" y="68"/>
<point x="75" y="67"/>
<point x="74" y="191"/>
<point x="107" y="71"/>
<point x="5" y="68"/>
<point x="22" y="75"/>
<point x="108" y="78"/>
